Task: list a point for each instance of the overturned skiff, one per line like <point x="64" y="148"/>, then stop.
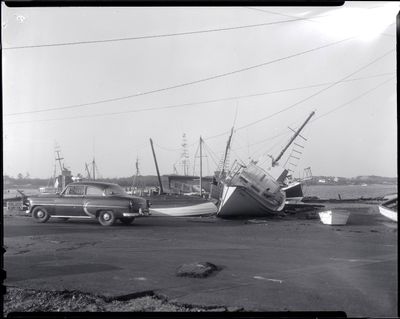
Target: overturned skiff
<point x="389" y="209"/>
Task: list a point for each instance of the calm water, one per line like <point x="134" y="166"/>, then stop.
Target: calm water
<point x="348" y="191"/>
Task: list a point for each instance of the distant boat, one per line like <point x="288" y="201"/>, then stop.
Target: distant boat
<point x="389" y="209"/>
<point x="364" y="184"/>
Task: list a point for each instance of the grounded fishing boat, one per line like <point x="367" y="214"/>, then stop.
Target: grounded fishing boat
<point x="389" y="209"/>
<point x="252" y="191"/>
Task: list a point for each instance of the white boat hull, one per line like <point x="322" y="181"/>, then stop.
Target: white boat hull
<point x="204" y="209"/>
<point x="334" y="217"/>
<point x="391" y="214"/>
<point x="237" y="201"/>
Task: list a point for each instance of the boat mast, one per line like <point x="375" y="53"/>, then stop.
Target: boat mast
<point x="94" y="169"/>
<point x="275" y="161"/>
<point x="58" y="158"/>
<point x="228" y="145"/>
<point x="87" y="170"/>
<point x="135" y="181"/>
<point x="201" y="167"/>
<point x="158" y="172"/>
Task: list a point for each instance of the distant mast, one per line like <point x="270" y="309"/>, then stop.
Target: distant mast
<point x="185" y="156"/>
<point x="94" y="169"/>
<point x="88" y="171"/>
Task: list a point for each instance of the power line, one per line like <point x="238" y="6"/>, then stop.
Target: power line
<point x="307" y="98"/>
<point x="317" y="93"/>
<point x="327" y="113"/>
<point x="316" y="17"/>
<point x="187" y="83"/>
<point x="152" y="36"/>
<point x="354" y="99"/>
<point x="146" y="109"/>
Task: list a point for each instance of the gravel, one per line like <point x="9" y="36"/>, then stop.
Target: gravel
<point x="30" y="300"/>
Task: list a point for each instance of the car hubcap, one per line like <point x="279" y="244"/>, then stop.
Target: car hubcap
<point x="107" y="217"/>
<point x="40" y="214"/>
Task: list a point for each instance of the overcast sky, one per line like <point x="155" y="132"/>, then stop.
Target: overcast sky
<point x="260" y="69"/>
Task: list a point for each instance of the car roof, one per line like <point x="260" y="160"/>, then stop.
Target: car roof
<point x="93" y="183"/>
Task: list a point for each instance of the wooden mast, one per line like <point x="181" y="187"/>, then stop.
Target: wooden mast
<point x="201" y="168"/>
<point x="228" y="145"/>
<point x="275" y="161"/>
<point x="158" y="172"/>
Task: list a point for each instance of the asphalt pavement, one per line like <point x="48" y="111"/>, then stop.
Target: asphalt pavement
<point x="267" y="264"/>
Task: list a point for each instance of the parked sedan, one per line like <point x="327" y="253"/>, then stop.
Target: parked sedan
<point x="105" y="202"/>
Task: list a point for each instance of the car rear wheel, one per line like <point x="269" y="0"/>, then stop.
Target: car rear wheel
<point x="127" y="220"/>
<point x="106" y="218"/>
<point x="40" y="214"/>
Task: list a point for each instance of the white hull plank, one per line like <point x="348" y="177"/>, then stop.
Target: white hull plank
<point x="203" y="209"/>
<point x="388" y="213"/>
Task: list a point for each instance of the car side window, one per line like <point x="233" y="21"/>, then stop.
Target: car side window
<point x="75" y="190"/>
<point x="94" y="191"/>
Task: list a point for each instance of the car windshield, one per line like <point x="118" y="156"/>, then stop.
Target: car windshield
<point x="115" y="190"/>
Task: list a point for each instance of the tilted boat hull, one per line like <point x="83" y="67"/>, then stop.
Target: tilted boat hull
<point x="238" y="201"/>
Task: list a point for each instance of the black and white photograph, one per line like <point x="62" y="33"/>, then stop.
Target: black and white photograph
<point x="236" y="159"/>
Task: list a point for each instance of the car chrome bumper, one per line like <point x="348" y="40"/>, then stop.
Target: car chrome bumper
<point x="130" y="214"/>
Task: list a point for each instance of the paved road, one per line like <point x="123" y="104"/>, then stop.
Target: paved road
<point x="267" y="264"/>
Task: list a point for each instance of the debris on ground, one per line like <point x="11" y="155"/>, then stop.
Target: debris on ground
<point x="31" y="300"/>
<point x="197" y="270"/>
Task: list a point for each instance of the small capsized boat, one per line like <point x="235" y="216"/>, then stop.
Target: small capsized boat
<point x="337" y="217"/>
<point x="204" y="209"/>
<point x="389" y="209"/>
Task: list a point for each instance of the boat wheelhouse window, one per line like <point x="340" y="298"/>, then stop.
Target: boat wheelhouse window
<point x="243" y="179"/>
<point x="255" y="188"/>
<point x="94" y="191"/>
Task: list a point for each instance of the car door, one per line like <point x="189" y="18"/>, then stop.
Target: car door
<point x="94" y="198"/>
<point x="70" y="203"/>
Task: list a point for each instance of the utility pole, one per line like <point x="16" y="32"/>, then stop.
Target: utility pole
<point x="158" y="172"/>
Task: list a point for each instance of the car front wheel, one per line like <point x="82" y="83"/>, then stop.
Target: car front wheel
<point x="106" y="218"/>
<point x="127" y="220"/>
<point x="40" y="214"/>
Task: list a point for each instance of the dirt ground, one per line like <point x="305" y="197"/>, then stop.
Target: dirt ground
<point x="80" y="266"/>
